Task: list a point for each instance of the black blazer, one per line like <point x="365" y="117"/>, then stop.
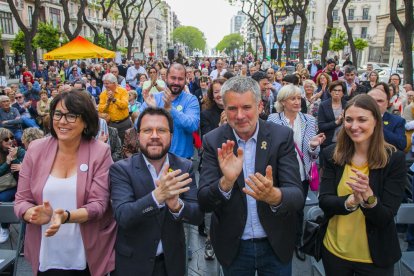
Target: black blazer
<point x="326" y="120"/>
<point x="274" y="147"/>
<point x="210" y="119"/>
<point x="388" y="186"/>
<point x="394" y="130"/>
<point x="141" y="224"/>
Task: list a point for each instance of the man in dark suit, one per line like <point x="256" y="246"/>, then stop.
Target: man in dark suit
<point x="250" y="181"/>
<point x="394" y="126"/>
<point x="152" y="194"/>
<point x="352" y="87"/>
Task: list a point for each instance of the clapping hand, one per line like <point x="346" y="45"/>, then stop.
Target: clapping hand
<point x="167" y="98"/>
<point x="170" y="185"/>
<point x="149" y="98"/>
<point x="56" y="221"/>
<point x="317" y="140"/>
<point x="360" y="186"/>
<point x="262" y="187"/>
<point x="41" y="214"/>
<point x="230" y="164"/>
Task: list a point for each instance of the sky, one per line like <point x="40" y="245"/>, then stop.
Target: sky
<point x="212" y="17"/>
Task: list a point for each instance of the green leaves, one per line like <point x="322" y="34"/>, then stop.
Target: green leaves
<point x="47" y="37"/>
<point x="190" y="36"/>
<point x="338" y="40"/>
<point x="230" y="43"/>
<point x="17" y="43"/>
<point x="360" y="44"/>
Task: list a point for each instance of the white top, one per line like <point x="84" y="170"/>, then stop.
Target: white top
<point x="297" y="137"/>
<point x="214" y="74"/>
<point x="64" y="250"/>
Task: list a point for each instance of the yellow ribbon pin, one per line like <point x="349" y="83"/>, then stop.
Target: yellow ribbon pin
<point x="385" y="122"/>
<point x="264" y="145"/>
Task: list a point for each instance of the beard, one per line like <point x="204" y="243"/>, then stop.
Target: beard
<point x="175" y="89"/>
<point x="154" y="156"/>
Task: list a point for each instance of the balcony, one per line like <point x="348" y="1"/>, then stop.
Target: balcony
<point x="359" y="18"/>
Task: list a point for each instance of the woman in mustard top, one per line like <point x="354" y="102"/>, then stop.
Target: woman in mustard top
<point x="360" y="193"/>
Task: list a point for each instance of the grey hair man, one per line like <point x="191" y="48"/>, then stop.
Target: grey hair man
<point x="133" y="72"/>
<point x="250" y="181"/>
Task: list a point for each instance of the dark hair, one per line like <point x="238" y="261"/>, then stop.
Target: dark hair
<point x="210" y="97"/>
<point x="291" y="78"/>
<point x="397" y="75"/>
<point x="385" y="87"/>
<point x="378" y="150"/>
<point x="156" y="111"/>
<point x="336" y="83"/>
<point x="349" y="69"/>
<point x="228" y="75"/>
<point x="81" y="83"/>
<point x="78" y="102"/>
<point x="259" y="75"/>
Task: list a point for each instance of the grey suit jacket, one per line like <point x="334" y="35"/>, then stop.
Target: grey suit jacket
<point x="274" y="147"/>
<point x="141" y="224"/>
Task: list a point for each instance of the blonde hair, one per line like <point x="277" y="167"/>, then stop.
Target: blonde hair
<point x="285" y="92"/>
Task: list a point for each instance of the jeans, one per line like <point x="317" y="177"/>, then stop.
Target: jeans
<point x="257" y="256"/>
<point x="410" y="231"/>
<point x="29" y="122"/>
<point x="7" y="196"/>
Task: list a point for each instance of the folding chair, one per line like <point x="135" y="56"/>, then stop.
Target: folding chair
<point x="313" y="213"/>
<point x="405" y="215"/>
<point x="10" y="256"/>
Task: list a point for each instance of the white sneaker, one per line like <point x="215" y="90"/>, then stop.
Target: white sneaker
<point x="4" y="235"/>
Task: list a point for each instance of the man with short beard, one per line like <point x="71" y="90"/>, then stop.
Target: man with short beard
<point x="184" y="109"/>
<point x="152" y="194"/>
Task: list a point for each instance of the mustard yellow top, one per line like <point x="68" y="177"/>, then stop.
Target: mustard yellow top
<point x="346" y="236"/>
<point x="118" y="110"/>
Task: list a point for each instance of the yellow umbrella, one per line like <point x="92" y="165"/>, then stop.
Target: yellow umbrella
<point x="79" y="48"/>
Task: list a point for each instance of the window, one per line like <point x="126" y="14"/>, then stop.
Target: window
<point x="364" y="32"/>
<point x="365" y="13"/>
<point x="389" y="37"/>
<point x="55" y="17"/>
<point x="335" y="15"/>
<point x="6" y="22"/>
<point x="351" y="14"/>
<point x="30" y="15"/>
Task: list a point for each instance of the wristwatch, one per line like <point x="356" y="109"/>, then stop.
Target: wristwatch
<point x="370" y="200"/>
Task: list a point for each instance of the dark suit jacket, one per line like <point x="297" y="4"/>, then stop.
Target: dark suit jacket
<point x="141" y="224"/>
<point x="388" y="186"/>
<point x="394" y="130"/>
<point x="229" y="215"/>
<point x="360" y="89"/>
<point x="326" y="120"/>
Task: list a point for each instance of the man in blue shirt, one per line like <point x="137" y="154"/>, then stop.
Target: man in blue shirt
<point x="183" y="107"/>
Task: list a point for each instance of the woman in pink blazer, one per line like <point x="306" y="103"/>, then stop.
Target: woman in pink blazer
<point x="63" y="194"/>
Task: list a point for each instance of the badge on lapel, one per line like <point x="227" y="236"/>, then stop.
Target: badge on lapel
<point x="264" y="145"/>
<point x="385" y="122"/>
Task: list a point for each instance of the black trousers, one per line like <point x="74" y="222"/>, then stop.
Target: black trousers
<point x="159" y="266"/>
<point x="61" y="272"/>
<point x="300" y="215"/>
<point x="335" y="266"/>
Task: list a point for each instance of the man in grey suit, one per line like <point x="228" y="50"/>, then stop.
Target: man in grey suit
<point x="250" y="181"/>
<point x="153" y="193"/>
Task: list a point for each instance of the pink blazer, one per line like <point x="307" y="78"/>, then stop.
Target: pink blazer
<point x="99" y="232"/>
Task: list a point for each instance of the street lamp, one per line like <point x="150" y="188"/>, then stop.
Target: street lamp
<point x="151" y="38"/>
<point x="106" y="25"/>
<point x="255" y="54"/>
<point x="289" y="23"/>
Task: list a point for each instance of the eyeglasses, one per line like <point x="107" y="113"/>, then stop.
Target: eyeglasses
<point x="336" y="90"/>
<point x="153" y="72"/>
<point x="69" y="117"/>
<point x="19" y="97"/>
<point x="114" y="72"/>
<point x="8" y="139"/>
<point x="159" y="131"/>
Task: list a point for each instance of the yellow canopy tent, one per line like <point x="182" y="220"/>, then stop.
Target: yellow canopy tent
<point x="79" y="48"/>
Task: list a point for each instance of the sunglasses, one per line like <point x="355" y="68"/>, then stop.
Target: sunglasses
<point x="8" y="139"/>
<point x="19" y="97"/>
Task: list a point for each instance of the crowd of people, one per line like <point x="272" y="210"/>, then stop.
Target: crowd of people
<point x="108" y="179"/>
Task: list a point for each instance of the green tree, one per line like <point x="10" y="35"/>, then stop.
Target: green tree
<point x="360" y="44"/>
<point x="17" y="44"/>
<point x="230" y="42"/>
<point x="190" y="36"/>
<point x="47" y="37"/>
<point x="339" y="40"/>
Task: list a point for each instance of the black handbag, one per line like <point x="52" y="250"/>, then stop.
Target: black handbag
<point x="313" y="236"/>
